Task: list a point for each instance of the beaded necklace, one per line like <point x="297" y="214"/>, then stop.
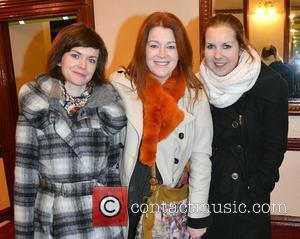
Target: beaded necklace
<point x="73" y="104"/>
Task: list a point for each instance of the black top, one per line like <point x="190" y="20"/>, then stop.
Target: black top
<point x="286" y="72"/>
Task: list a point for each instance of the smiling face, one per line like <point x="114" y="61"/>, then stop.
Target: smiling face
<point x="161" y="53"/>
<point x="78" y="67"/>
<point x="222" y="49"/>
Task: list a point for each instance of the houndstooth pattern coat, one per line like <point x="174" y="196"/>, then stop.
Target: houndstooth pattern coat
<point x="59" y="159"/>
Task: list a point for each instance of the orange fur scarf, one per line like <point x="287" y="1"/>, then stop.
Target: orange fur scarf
<point x="161" y="113"/>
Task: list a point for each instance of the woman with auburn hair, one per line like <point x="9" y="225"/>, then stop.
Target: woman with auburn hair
<point x="169" y="120"/>
<point x="249" y="104"/>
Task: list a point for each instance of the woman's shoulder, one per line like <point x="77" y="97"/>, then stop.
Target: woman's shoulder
<point x="119" y="79"/>
<point x="119" y="75"/>
<point x="42" y="84"/>
<point x="105" y="94"/>
<point x="198" y="106"/>
<point x="269" y="85"/>
<point x="34" y="98"/>
<point x="35" y="94"/>
<point x="107" y="107"/>
<point x="121" y="82"/>
<point x="192" y="93"/>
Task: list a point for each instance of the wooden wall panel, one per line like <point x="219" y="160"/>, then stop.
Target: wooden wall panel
<point x="285" y="227"/>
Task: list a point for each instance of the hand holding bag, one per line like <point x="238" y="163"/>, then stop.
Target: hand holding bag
<point x="165" y="213"/>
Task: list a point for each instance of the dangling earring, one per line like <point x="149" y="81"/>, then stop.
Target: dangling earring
<point x="59" y="64"/>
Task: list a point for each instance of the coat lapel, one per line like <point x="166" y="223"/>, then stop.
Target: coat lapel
<point x="60" y="120"/>
<point x="64" y="131"/>
<point x="183" y="105"/>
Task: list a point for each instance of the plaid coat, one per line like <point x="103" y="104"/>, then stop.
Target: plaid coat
<point x="59" y="159"/>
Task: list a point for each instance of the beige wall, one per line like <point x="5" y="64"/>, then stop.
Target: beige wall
<point x="30" y="44"/>
<point x="266" y="30"/>
<point x="118" y="22"/>
<point x="287" y="190"/>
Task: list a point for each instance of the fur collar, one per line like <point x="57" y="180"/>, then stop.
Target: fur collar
<point x="161" y="113"/>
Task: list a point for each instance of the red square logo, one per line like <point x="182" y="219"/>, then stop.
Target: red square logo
<point x="109" y="206"/>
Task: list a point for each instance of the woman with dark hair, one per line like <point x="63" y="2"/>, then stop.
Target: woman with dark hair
<point x="249" y="104"/>
<point x="169" y="120"/>
<point x="67" y="140"/>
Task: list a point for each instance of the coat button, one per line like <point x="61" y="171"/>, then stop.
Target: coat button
<point x="176" y="160"/>
<point x="239" y="148"/>
<point x="235" y="124"/>
<point x="121" y="145"/>
<point x="181" y="135"/>
<point x="234" y="176"/>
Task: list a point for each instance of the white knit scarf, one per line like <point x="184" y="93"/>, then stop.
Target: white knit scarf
<point x="225" y="90"/>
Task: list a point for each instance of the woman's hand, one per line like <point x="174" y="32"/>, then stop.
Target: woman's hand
<point x="196" y="233"/>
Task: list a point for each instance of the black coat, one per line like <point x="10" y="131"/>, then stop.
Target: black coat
<point x="250" y="139"/>
<point x="286" y="72"/>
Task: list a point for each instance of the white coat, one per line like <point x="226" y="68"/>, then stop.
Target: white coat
<point x="194" y="146"/>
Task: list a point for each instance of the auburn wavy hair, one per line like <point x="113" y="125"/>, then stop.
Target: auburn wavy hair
<point x="137" y="70"/>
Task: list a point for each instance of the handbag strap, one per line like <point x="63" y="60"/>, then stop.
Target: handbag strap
<point x="153" y="179"/>
<point x="154" y="183"/>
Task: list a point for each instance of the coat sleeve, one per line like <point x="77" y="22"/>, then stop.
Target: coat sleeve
<point x="200" y="167"/>
<point x="114" y="157"/>
<point x="117" y="139"/>
<point x="275" y="131"/>
<point x="26" y="178"/>
<point x="112" y="115"/>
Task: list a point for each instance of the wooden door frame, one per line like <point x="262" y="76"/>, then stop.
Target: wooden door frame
<point x="11" y="10"/>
